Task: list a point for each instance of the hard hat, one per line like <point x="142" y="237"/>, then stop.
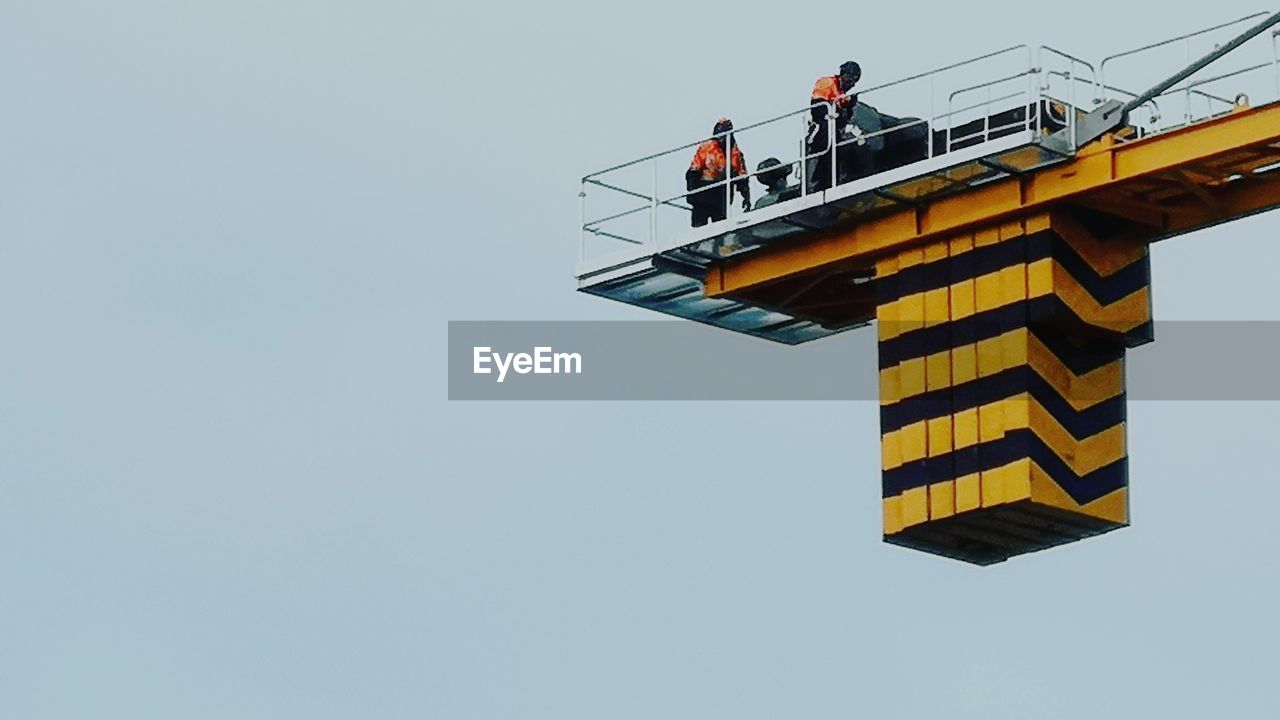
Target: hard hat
<point x="851" y="69"/>
<point x="771" y="170"/>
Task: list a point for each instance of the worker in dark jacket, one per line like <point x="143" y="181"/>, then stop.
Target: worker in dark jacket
<point x="706" y="175"/>
<point x="832" y="92"/>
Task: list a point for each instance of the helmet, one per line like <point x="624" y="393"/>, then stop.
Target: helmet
<point x="851" y="70"/>
<point x="771" y="171"/>
<point x="723" y="125"/>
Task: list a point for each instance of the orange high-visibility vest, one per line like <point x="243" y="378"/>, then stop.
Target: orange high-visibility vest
<point x="828" y="88"/>
<point x="709" y="161"/>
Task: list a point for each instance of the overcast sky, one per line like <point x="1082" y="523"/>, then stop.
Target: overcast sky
<point x="231" y="485"/>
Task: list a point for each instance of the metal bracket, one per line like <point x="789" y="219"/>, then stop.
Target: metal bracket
<point x="1092" y="125"/>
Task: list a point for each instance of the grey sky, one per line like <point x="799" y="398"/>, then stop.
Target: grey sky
<point x="231" y="485"/>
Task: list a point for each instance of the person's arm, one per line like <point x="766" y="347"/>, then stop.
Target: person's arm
<point x="846" y="108"/>
<point x="743" y="185"/>
<point x="744" y="189"/>
<point x="692" y="179"/>
<point x="693" y="176"/>
<point x="817" y="111"/>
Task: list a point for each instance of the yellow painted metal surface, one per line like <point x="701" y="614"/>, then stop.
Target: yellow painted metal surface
<point x="1003" y="315"/>
<point x="1109" y="175"/>
<point x="1002" y="414"/>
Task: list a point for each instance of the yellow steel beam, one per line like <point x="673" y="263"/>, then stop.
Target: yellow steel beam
<point x="1092" y="177"/>
<point x="1232" y="200"/>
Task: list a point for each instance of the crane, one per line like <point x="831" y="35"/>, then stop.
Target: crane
<point x="1006" y="269"/>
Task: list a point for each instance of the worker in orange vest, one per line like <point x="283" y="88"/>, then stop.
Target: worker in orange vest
<point x="711" y="204"/>
<point x="836" y="91"/>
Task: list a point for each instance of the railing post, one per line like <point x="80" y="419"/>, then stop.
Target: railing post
<point x="1071" y="96"/>
<point x="728" y="175"/>
<point x="832" y="140"/>
<point x="986" y="117"/>
<point x="951" y="111"/>
<point x="1069" y="112"/>
<point x="1033" y="96"/>
<point x="1187" y="112"/>
<point x="933" y="114"/>
<point x="804" y="163"/>
<point x="1102" y="80"/>
<point x="582" y="222"/>
<point x="653" y="208"/>
<point x="1275" y="60"/>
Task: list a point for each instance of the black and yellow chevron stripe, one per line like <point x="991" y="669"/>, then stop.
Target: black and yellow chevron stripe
<point x="1002" y="386"/>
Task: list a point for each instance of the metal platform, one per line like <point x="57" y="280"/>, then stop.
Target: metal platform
<point x="670" y="277"/>
<point x="1003" y="115"/>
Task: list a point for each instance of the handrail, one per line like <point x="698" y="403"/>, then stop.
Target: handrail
<point x="1224" y="76"/>
<point x="1152" y="101"/>
<point x="1113" y="88"/>
<point x="1217" y="54"/>
<point x="624" y="213"/>
<point x="986" y="125"/>
<point x="696" y="143"/>
<point x="633" y="193"/>
<point x="1172" y="40"/>
<point x="944" y="68"/>
<point x="921" y="121"/>
<point x="1191" y="88"/>
<point x="752" y="173"/>
<point x="729" y="179"/>
<point x="614" y="236"/>
<point x="989" y="83"/>
<point x="822" y="167"/>
<point x="1102" y="66"/>
<point x="807" y="108"/>
<point x="1068" y="56"/>
<point x="1072" y="61"/>
<point x="1275" y="57"/>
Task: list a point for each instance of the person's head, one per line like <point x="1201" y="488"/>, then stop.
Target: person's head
<point x="772" y="173"/>
<point x="850" y="74"/>
<point x="722" y="131"/>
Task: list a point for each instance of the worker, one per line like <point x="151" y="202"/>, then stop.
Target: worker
<point x="774" y="175"/>
<point x="829" y="92"/>
<point x="706" y="175"/>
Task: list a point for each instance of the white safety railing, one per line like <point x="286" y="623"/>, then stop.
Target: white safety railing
<point x="643" y="201"/>
<point x="1250" y="74"/>
<point x="664" y="171"/>
<point x="643" y="204"/>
